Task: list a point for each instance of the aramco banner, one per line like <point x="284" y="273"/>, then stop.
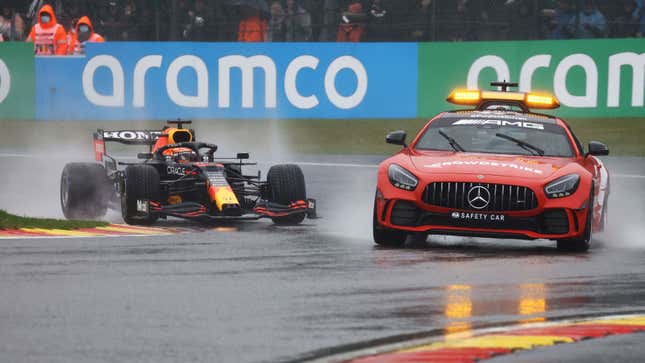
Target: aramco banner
<point x="16" y="81"/>
<point x="590" y="78"/>
<point x="164" y="80"/>
<point x="133" y="81"/>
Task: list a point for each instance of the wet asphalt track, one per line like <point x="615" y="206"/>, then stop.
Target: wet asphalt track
<point x="253" y="292"/>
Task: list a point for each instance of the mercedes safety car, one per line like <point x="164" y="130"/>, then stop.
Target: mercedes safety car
<point x="182" y="178"/>
<point x="496" y="170"/>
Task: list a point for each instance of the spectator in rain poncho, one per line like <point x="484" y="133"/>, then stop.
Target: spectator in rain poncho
<point x="252" y="28"/>
<point x="49" y="37"/>
<point x="84" y="33"/>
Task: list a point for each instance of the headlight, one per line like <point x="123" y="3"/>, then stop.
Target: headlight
<point x="562" y="187"/>
<point x="402" y="178"/>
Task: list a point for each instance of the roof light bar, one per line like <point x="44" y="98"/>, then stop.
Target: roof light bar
<point x="527" y="100"/>
<point x="465" y="97"/>
<point x="541" y="101"/>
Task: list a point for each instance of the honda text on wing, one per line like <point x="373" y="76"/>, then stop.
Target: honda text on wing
<point x="497" y="170"/>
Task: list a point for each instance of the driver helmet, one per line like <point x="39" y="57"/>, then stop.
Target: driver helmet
<point x="181" y="155"/>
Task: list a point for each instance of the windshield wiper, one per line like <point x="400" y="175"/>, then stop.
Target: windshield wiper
<point x="523" y="144"/>
<point x="453" y="143"/>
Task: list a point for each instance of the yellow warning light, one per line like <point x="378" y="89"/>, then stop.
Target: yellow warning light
<point x="479" y="98"/>
<point x="465" y="97"/>
<point x="541" y="101"/>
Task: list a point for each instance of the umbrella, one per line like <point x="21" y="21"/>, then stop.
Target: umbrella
<point x="255" y="4"/>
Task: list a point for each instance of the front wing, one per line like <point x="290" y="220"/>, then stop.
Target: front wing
<point x="263" y="209"/>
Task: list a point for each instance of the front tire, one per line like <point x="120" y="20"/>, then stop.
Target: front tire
<point x="84" y="191"/>
<point x="141" y="186"/>
<point x="287" y="185"/>
<point x="386" y="237"/>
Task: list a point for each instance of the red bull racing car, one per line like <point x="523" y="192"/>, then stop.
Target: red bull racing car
<point x="181" y="178"/>
<point x="497" y="170"/>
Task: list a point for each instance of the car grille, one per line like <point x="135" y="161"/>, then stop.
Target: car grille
<point x="501" y="197"/>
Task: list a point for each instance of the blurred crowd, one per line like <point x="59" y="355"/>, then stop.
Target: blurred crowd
<point x="334" y="20"/>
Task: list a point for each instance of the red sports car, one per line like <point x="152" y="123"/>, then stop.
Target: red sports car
<point x="497" y="170"/>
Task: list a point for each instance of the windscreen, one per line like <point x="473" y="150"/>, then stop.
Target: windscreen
<point x="496" y="135"/>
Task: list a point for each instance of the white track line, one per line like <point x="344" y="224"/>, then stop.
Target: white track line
<point x="331" y="165"/>
<point x="11" y="155"/>
<point x="627" y="176"/>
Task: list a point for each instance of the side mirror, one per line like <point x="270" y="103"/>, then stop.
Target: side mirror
<point x="242" y="156"/>
<point x="597" y="149"/>
<point x="144" y="156"/>
<point x="396" y="138"/>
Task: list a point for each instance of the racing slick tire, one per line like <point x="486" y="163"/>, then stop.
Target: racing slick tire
<point x="386" y="237"/>
<point x="84" y="191"/>
<point x="287" y="185"/>
<point x="141" y="186"/>
<point x="583" y="243"/>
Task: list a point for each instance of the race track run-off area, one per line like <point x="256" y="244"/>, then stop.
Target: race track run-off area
<point x="113" y="230"/>
<point x="505" y="341"/>
<point x="321" y="291"/>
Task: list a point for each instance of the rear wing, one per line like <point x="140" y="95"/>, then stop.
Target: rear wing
<point x="128" y="137"/>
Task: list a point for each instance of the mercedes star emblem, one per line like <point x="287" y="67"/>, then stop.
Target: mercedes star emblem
<point x="478" y="197"/>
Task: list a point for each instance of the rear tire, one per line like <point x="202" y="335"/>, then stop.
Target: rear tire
<point x="141" y="184"/>
<point x="583" y="243"/>
<point x="84" y="191"/>
<point x="386" y="237"/>
<point x="287" y="185"/>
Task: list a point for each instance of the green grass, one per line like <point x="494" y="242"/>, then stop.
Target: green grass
<point x="10" y="221"/>
<point x="624" y="136"/>
<point x="346" y="136"/>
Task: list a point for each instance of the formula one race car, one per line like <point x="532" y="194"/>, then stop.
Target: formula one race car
<point x="498" y="170"/>
<point x="181" y="178"/>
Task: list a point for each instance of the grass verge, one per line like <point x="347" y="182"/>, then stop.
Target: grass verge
<point x="10" y="221"/>
<point x="624" y="136"/>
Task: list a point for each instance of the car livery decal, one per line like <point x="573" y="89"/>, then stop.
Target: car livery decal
<point x="483" y="122"/>
<point x="131" y="135"/>
<point x="493" y="164"/>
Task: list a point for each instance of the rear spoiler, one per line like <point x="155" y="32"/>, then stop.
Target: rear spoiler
<point x="128" y="137"/>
